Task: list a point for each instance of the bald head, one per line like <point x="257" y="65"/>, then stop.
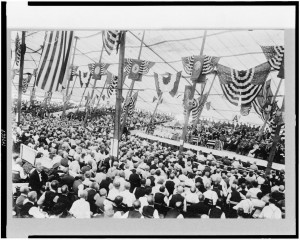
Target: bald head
<point x="24" y="190"/>
<point x="179" y="189"/>
<point x="136" y="204"/>
<point x="150" y="200"/>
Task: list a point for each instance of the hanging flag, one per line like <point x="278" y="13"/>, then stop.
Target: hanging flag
<point x="17" y="50"/>
<point x="242" y="85"/>
<point x="264" y="97"/>
<point x="154" y="99"/>
<point x="98" y="69"/>
<point x="103" y="97"/>
<point x="274" y="55"/>
<point x="113" y="84"/>
<point x="110" y="39"/>
<point x="195" y="109"/>
<point x="207" y="106"/>
<point x="54" y="60"/>
<point x="235" y="119"/>
<point x="88" y="99"/>
<point x="187" y="98"/>
<point x="73" y="72"/>
<point x="25" y="82"/>
<point x="168" y="83"/>
<point x="47" y="98"/>
<point x="193" y="64"/>
<point x="129" y="106"/>
<point x="245" y="109"/>
<point x="136" y="68"/>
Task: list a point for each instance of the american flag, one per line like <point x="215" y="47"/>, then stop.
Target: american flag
<point x="52" y="70"/>
<point x="129" y="106"/>
<point x="17" y="50"/>
<point x="25" y="82"/>
<point x="102" y="67"/>
<point x="110" y="39"/>
<point x="209" y="64"/>
<point x="73" y="71"/>
<point x="113" y="83"/>
<point x="245" y="109"/>
<point x="144" y="68"/>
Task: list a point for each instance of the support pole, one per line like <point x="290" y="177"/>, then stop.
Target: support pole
<point x="129" y="93"/>
<point x="101" y="93"/>
<point x="198" y="119"/>
<point x="23" y="49"/>
<point x="276" y="139"/>
<point x="88" y="107"/>
<point x="268" y="115"/>
<point x="71" y="76"/>
<point x="81" y="98"/>
<point x="115" y="140"/>
<point x="184" y="130"/>
<point x="154" y="112"/>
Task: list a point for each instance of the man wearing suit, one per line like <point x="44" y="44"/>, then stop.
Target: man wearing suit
<point x="37" y="179"/>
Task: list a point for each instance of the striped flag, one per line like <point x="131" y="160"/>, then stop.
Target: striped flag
<point x="129" y="106"/>
<point x="136" y="68"/>
<point x="25" y="82"/>
<point x="242" y="85"/>
<point x="73" y="70"/>
<point x="263" y="97"/>
<point x="17" y="50"/>
<point x="55" y="58"/>
<point x="110" y="39"/>
<point x="195" y="110"/>
<point x="113" y="84"/>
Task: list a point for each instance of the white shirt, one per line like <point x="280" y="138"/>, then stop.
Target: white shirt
<point x="271" y="212"/>
<point x="192" y="197"/>
<point x="246" y="204"/>
<point x="20" y="170"/>
<point x="253" y="192"/>
<point x="80" y="209"/>
<point x="113" y="193"/>
<point x="128" y="198"/>
<point x="209" y="194"/>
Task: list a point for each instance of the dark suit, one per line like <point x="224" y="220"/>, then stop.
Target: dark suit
<point x="34" y="181"/>
<point x="198" y="208"/>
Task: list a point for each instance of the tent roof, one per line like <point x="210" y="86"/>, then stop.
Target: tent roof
<point x="239" y="49"/>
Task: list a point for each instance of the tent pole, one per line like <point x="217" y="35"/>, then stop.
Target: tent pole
<point x="23" y="50"/>
<point x="184" y="130"/>
<point x="88" y="107"/>
<point x="69" y="80"/>
<point x="198" y="119"/>
<point x="81" y="98"/>
<point x="129" y="93"/>
<point x="115" y="140"/>
<point x="154" y="112"/>
<point x="268" y="115"/>
<point x="101" y="93"/>
<point x="276" y="139"/>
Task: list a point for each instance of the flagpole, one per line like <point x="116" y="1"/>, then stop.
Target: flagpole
<point x="23" y="50"/>
<point x="81" y="98"/>
<point x="154" y="112"/>
<point x="69" y="80"/>
<point x="276" y="139"/>
<point x="184" y="130"/>
<point x="115" y="140"/>
<point x="33" y="88"/>
<point x="93" y="90"/>
<point x="129" y="93"/>
<point x="101" y="93"/>
<point x="196" y="122"/>
<point x="268" y="115"/>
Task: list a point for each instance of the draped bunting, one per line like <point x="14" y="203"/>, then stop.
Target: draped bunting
<point x="167" y="83"/>
<point x="264" y="96"/>
<point x="98" y="69"/>
<point x="243" y="85"/>
<point x="136" y="68"/>
<point x="197" y="106"/>
<point x="274" y="55"/>
<point x="86" y="76"/>
<point x="129" y="106"/>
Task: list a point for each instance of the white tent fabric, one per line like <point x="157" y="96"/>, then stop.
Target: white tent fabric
<point x="239" y="49"/>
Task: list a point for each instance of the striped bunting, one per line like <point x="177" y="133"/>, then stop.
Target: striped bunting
<point x="112" y="85"/>
<point x="274" y="55"/>
<point x="55" y="57"/>
<point x="103" y="68"/>
<point x="195" y="110"/>
<point x="109" y="39"/>
<point x="129" y="107"/>
<point x="74" y="71"/>
<point x="17" y="50"/>
<point x="144" y="68"/>
<point x="209" y="64"/>
<point x="242" y="84"/>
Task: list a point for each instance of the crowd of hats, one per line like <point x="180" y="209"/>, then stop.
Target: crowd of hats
<point x="66" y="149"/>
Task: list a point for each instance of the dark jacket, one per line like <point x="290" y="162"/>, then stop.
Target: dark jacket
<point x="34" y="180"/>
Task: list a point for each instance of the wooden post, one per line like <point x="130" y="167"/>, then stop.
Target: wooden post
<point x="268" y="115"/>
<point x="67" y="91"/>
<point x="184" y="130"/>
<point x="154" y="112"/>
<point x="23" y="50"/>
<point x="198" y="119"/>
<point x="129" y="93"/>
<point x="118" y="108"/>
<point x="93" y="90"/>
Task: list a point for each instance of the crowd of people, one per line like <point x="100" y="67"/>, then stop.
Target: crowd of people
<point x="74" y="175"/>
<point x="240" y="138"/>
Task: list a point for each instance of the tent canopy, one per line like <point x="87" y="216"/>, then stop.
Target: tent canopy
<point x="239" y="49"/>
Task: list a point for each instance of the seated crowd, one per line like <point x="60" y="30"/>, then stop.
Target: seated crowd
<point x="74" y="176"/>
